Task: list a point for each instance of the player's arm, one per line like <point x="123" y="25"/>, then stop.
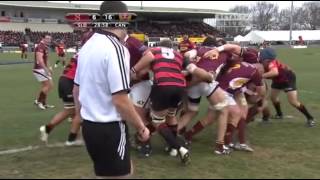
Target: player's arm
<point x="198" y="72"/>
<point x="126" y="109"/>
<point x="40" y="61"/>
<point x="273" y="71"/>
<point x="119" y="85"/>
<point x="257" y="80"/>
<point x="75" y="93"/>
<point x="143" y="63"/>
<point x="191" y="55"/>
<point x="232" y="48"/>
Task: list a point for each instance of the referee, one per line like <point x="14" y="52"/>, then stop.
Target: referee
<point x="101" y="95"/>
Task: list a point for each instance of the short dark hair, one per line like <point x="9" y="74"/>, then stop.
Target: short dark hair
<point x="210" y="41"/>
<point x="166" y="43"/>
<point x="113" y="7"/>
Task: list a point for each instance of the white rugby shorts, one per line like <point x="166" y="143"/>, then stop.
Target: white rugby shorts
<point x="41" y="75"/>
<point x="140" y="94"/>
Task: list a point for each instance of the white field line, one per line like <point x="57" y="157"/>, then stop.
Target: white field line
<point x="30" y="148"/>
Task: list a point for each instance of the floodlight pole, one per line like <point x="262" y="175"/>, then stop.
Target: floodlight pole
<point x="141" y="6"/>
<point x="291" y="21"/>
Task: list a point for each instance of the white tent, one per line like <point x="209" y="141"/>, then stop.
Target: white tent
<point x="238" y="38"/>
<point x="260" y="36"/>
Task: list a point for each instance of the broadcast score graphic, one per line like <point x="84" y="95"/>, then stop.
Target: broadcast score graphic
<point x="95" y="20"/>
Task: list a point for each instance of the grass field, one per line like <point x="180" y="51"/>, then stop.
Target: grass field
<point x="283" y="149"/>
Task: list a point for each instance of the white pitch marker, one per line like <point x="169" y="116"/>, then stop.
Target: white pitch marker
<point x="31" y="148"/>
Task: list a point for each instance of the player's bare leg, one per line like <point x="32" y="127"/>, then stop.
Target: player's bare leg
<point x="159" y="119"/>
<point x="293" y="100"/>
<point x="145" y="148"/>
<point x="46" y="87"/>
<point x="74" y="131"/>
<point x="234" y="116"/>
<point x="276" y="103"/>
<point x="56" y="120"/>
<point x="185" y="119"/>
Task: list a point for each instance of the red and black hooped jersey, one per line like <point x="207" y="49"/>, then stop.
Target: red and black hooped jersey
<point x="283" y="70"/>
<point x="70" y="70"/>
<point x="167" y="67"/>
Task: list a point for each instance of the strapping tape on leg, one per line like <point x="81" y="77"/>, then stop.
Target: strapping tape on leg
<point x="219" y="106"/>
<point x="157" y="119"/>
<point x="243" y="101"/>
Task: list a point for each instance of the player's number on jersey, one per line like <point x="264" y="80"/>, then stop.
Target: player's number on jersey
<point x="167" y="53"/>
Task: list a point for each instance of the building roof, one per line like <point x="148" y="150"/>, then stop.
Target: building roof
<point x="73" y="6"/>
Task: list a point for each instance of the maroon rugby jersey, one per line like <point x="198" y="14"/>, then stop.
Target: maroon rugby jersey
<point x="136" y="49"/>
<point x="210" y="64"/>
<point x="43" y="49"/>
<point x="167" y="67"/>
<point x="250" y="55"/>
<point x="185" y="46"/>
<point x="237" y="76"/>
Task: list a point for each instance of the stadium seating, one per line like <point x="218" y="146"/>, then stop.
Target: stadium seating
<point x="35" y="27"/>
<point x="12" y="34"/>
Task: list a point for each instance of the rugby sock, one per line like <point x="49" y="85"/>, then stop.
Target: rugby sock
<point x="41" y="97"/>
<point x="229" y="134"/>
<point x="241" y="131"/>
<point x="266" y="114"/>
<point x="44" y="102"/>
<point x="194" y="130"/>
<point x="174" y="129"/>
<point x="219" y="146"/>
<point x="183" y="130"/>
<point x="49" y="128"/>
<point x="57" y="62"/>
<point x="304" y="111"/>
<point x="167" y="134"/>
<point x="72" y="137"/>
<point x="278" y="108"/>
<point x="251" y="113"/>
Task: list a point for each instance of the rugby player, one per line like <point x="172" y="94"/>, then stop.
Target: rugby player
<point x="168" y="88"/>
<point x="43" y="72"/>
<point x="60" y="50"/>
<point x="283" y="79"/>
<point x="65" y="88"/>
<point x="185" y="45"/>
<point x="218" y="100"/>
<point x="24" y="49"/>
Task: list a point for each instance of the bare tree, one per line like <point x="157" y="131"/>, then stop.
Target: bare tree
<point x="240" y="9"/>
<point x="264" y="15"/>
<point x="312" y="14"/>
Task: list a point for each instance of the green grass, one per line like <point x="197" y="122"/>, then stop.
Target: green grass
<point x="283" y="149"/>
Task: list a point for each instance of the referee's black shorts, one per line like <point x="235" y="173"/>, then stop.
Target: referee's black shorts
<point x="108" y="147"/>
<point x="65" y="88"/>
<point x="288" y="86"/>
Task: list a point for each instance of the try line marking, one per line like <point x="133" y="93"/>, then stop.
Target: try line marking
<point x="30" y="148"/>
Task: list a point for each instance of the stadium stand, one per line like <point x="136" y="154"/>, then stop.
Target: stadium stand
<point x="35" y="27"/>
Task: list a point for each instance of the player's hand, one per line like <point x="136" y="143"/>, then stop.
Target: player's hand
<point x="212" y="54"/>
<point x="144" y="134"/>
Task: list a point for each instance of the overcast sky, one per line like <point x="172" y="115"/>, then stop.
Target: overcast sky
<point x="218" y="5"/>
